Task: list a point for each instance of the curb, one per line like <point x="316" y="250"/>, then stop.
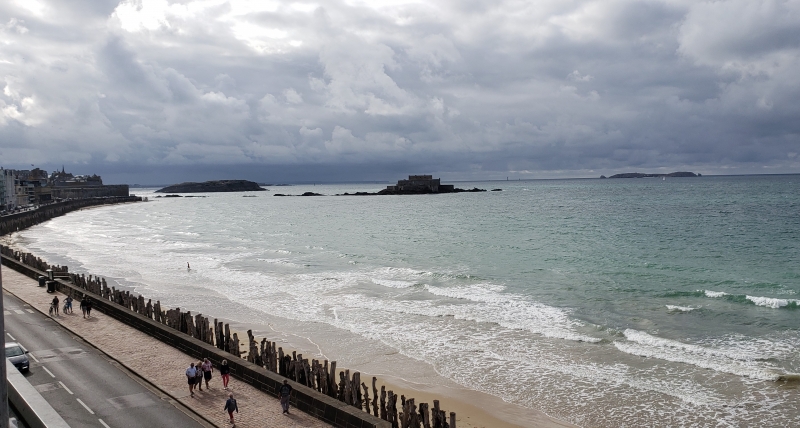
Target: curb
<point x="183" y="407"/>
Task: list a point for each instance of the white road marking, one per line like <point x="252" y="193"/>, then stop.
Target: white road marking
<point x="48" y="371"/>
<point x="19" y="311"/>
<point x="34" y="357"/>
<point x="104" y="424"/>
<point x="85" y="406"/>
<point x="65" y="387"/>
<point x="30" y="311"/>
<point x="12" y="337"/>
<point x="6" y="312"/>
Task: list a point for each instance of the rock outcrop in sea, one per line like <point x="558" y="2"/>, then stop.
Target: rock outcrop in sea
<point x="213" y="186"/>
<point x="640" y="175"/>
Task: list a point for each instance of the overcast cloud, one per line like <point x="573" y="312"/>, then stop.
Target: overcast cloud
<point x="162" y="91"/>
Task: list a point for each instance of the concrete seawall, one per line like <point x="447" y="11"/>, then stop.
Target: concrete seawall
<point x="22" y="220"/>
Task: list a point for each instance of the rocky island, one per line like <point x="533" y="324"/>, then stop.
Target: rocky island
<point x="640" y="175"/>
<point x="417" y="185"/>
<point x="423" y="184"/>
<point x="213" y="186"/>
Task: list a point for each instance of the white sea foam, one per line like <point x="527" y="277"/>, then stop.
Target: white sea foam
<point x="392" y="283"/>
<point x="771" y="302"/>
<point x="283" y="262"/>
<point x="511" y="311"/>
<point x="715" y="294"/>
<point x="740" y="362"/>
<point x="681" y="308"/>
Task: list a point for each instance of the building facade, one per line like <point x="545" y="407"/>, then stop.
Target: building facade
<point x="8" y="195"/>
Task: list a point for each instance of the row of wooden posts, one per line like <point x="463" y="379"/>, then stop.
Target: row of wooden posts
<point x="316" y="374"/>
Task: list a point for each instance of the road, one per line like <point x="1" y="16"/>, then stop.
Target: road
<point x="86" y="387"/>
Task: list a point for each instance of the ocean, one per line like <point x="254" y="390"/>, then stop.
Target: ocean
<point x="618" y="302"/>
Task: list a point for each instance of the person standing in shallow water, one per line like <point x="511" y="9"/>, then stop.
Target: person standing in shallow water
<point x="285" y="393"/>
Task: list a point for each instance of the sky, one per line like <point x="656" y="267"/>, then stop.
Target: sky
<point x="158" y="91"/>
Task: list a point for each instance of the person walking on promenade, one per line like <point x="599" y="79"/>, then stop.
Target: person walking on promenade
<point x="191" y="374"/>
<point x="54" y="305"/>
<point x="86" y="306"/>
<point x="230" y="406"/>
<point x="225" y="374"/>
<point x="199" y="375"/>
<point x="285" y="392"/>
<point x="68" y="305"/>
<point x="208" y="368"/>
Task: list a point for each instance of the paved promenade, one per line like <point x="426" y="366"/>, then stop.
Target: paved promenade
<point x="161" y="364"/>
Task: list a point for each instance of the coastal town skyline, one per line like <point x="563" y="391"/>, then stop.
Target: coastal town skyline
<point x="159" y="92"/>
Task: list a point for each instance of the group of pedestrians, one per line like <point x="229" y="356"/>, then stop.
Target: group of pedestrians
<point x="86" y="306"/>
<point x="197" y="373"/>
<point x="201" y="371"/>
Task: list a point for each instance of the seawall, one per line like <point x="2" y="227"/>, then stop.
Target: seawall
<point x="25" y="219"/>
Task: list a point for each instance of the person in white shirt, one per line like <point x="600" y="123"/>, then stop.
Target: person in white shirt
<point x="191" y="374"/>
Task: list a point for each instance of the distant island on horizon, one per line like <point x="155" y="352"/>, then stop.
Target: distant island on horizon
<point x="641" y="175"/>
<point x="213" y="186"/>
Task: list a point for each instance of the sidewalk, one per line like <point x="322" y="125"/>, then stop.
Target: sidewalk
<point x="161" y="364"/>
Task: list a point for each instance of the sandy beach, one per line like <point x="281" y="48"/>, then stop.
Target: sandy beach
<point x="473" y="409"/>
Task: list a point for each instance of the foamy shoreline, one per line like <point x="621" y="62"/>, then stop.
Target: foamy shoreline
<point x="473" y="409"/>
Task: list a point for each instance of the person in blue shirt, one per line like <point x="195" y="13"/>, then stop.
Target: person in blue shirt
<point x="230" y="406"/>
<point x="285" y="392"/>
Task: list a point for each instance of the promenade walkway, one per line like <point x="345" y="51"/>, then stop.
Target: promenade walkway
<point x="161" y="364"/>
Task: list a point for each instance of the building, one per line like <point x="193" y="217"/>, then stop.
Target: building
<point x="22" y="188"/>
<point x="66" y="179"/>
<point x="30" y="187"/>
<point x="420" y="184"/>
<point x="7" y="197"/>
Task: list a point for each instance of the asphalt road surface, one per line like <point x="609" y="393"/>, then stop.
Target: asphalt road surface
<point x="86" y="387"/>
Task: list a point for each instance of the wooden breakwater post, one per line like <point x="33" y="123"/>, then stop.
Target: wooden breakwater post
<point x="316" y="375"/>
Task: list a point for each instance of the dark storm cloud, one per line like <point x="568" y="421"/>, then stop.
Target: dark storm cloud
<point x="478" y="89"/>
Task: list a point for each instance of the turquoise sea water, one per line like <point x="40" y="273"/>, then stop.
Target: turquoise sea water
<point x="602" y="302"/>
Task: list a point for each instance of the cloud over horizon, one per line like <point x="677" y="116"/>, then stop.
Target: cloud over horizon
<point x="478" y="89"/>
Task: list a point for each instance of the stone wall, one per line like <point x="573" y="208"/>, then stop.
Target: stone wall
<point x="22" y="220"/>
<point x="69" y="192"/>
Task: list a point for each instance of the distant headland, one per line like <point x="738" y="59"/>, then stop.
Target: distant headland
<point x="640" y="175"/>
<point x="213" y="186"/>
